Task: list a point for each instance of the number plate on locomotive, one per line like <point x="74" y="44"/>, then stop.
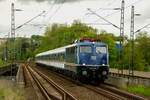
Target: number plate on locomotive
<point x="93" y="57"/>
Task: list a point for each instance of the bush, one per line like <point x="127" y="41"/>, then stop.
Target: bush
<point x="139" y="90"/>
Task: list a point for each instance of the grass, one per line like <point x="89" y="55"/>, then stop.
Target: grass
<point x="2" y="95"/>
<point x="9" y="91"/>
<point x="10" y="94"/>
<point x="139" y="90"/>
<point x="147" y="69"/>
<point x="3" y="63"/>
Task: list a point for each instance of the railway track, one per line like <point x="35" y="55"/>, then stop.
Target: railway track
<point x="113" y="93"/>
<point x="107" y="91"/>
<point x="122" y="93"/>
<point x="77" y="90"/>
<point x="48" y="88"/>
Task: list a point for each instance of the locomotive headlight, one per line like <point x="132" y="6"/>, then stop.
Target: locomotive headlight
<point x="83" y="64"/>
<point x="104" y="73"/>
<point x="84" y="72"/>
<point x="103" y="64"/>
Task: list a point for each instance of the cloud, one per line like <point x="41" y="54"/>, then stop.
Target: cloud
<point x="56" y="1"/>
<point x="143" y="9"/>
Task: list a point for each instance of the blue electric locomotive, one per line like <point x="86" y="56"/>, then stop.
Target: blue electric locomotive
<point x="84" y="60"/>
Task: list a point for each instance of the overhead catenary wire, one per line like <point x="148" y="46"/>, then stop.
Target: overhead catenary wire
<point x="52" y="6"/>
<point x="103" y="19"/>
<point x="29" y="20"/>
<point x="125" y="8"/>
<point x="57" y="10"/>
<point x="20" y="26"/>
<point x="108" y="15"/>
<point x="40" y="15"/>
<point x="97" y="23"/>
<point x="46" y="14"/>
<point x="142" y="28"/>
<point x="109" y="4"/>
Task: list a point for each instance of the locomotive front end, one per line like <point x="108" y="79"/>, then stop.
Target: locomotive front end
<point x="93" y="60"/>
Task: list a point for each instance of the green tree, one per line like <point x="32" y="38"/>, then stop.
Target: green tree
<point x="143" y="44"/>
<point x="138" y="63"/>
<point x="59" y="35"/>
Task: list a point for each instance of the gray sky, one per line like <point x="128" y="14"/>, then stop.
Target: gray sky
<point x="59" y="12"/>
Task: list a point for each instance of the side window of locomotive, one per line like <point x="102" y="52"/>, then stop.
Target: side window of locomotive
<point x="85" y="49"/>
<point x="100" y="50"/>
<point x="70" y="54"/>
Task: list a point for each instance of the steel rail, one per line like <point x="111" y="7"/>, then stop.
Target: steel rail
<point x="38" y="84"/>
<point x="105" y="93"/>
<point x="65" y="94"/>
<point x="121" y="93"/>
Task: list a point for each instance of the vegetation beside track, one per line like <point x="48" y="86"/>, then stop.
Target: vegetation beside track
<point x="139" y="90"/>
<point x="8" y="91"/>
<point x="3" y="63"/>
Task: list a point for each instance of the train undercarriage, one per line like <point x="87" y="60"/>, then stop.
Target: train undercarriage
<point x="84" y="74"/>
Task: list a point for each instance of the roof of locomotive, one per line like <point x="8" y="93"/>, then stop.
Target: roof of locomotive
<point x="89" y="43"/>
<point x="62" y="49"/>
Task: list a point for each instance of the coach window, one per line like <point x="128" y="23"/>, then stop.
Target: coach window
<point x="58" y="56"/>
<point x="61" y="57"/>
<point x="55" y="56"/>
<point x="49" y="57"/>
<point x="52" y="56"/>
<point x="40" y="57"/>
<point x="46" y="57"/>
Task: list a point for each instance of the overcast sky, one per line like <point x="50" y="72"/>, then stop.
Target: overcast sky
<point x="65" y="11"/>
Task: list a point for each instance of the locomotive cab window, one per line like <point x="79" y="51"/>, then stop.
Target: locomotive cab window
<point x="100" y="50"/>
<point x="85" y="49"/>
